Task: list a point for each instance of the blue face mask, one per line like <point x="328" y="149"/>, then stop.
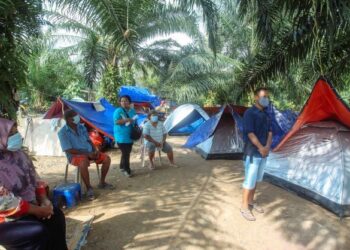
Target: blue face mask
<point x="14" y="142"/>
<point x="76" y="119"/>
<point x="264" y="101"/>
<point x="154" y="118"/>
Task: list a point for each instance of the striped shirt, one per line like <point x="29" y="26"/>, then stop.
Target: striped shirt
<point x="156" y="133"/>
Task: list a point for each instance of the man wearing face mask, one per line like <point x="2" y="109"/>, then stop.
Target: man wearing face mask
<point x="257" y="136"/>
<point x="155" y="137"/>
<point x="75" y="142"/>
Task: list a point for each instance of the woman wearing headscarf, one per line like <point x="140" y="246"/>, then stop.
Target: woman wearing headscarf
<point x="27" y="218"/>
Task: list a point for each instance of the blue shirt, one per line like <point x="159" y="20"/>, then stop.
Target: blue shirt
<point x="258" y="122"/>
<point x="122" y="132"/>
<point x="70" y="139"/>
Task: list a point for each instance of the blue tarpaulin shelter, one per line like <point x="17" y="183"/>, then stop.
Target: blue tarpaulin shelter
<point x="140" y="95"/>
<point x="100" y="120"/>
<point x="98" y="115"/>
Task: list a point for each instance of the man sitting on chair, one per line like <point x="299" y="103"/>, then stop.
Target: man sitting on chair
<point x="75" y="142"/>
<point x="155" y="138"/>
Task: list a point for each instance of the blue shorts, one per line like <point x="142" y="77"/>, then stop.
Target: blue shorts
<point x="254" y="171"/>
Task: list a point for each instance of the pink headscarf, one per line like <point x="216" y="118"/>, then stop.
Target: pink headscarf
<point x="17" y="173"/>
<point x="5" y="128"/>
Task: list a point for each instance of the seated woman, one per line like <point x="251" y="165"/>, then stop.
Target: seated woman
<point x="27" y="218"/>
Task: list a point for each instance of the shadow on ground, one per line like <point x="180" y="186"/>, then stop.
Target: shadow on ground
<point x="197" y="207"/>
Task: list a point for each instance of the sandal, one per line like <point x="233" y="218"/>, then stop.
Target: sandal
<point x="256" y="208"/>
<point x="174" y="165"/>
<point x="90" y="194"/>
<point x="106" y="186"/>
<point x="247" y="214"/>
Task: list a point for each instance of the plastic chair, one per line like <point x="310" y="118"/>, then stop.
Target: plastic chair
<point x="78" y="178"/>
<point x="67" y="193"/>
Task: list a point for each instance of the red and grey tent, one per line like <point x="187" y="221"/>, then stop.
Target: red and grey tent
<point x="323" y="104"/>
<point x="313" y="159"/>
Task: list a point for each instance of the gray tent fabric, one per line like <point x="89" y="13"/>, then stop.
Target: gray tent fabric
<point x="225" y="143"/>
<point x="315" y="163"/>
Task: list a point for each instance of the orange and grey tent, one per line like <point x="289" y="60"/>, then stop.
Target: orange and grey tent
<point x="313" y="159"/>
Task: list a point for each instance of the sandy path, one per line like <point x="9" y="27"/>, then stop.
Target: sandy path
<point x="197" y="207"/>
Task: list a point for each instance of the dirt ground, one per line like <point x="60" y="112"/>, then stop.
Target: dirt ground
<point x="196" y="207"/>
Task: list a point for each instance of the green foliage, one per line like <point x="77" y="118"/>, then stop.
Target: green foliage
<point x="75" y="89"/>
<point x="300" y="40"/>
<point x="127" y="77"/>
<point x="110" y="84"/>
<point x="50" y="74"/>
<point x="284" y="45"/>
<point x="19" y="20"/>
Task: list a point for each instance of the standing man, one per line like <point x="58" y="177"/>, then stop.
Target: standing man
<point x="75" y="142"/>
<point x="257" y="136"/>
<point x="155" y="137"/>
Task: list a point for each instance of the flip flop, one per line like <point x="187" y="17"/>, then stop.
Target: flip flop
<point x="90" y="194"/>
<point x="247" y="214"/>
<point x="256" y="208"/>
<point x="106" y="186"/>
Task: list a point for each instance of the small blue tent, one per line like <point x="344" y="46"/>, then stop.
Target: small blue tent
<point x="140" y="95"/>
<point x="185" y="119"/>
<point x="219" y="137"/>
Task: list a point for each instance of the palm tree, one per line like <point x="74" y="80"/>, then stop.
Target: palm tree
<point x="313" y="35"/>
<point x="114" y="33"/>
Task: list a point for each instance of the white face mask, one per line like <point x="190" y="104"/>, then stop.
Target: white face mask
<point x="14" y="142"/>
<point x="76" y="119"/>
<point x="154" y="118"/>
<point x="264" y="101"/>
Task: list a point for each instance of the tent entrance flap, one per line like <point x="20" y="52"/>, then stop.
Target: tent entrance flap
<point x="225" y="142"/>
<point x="188" y="125"/>
<point x="185" y="119"/>
<point x="225" y="139"/>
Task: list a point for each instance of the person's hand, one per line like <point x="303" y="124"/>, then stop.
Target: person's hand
<point x="129" y="120"/>
<point x="43" y="212"/>
<point x="4" y="191"/>
<point x="44" y="201"/>
<point x="264" y="151"/>
<point x="158" y="145"/>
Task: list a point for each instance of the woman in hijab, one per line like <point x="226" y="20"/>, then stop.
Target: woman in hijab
<point x="27" y="218"/>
